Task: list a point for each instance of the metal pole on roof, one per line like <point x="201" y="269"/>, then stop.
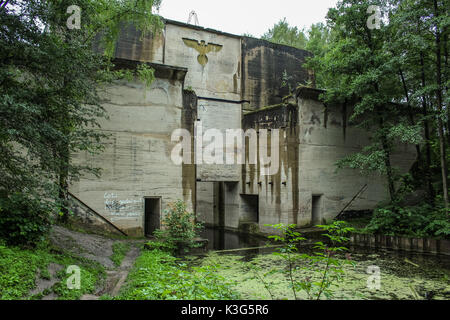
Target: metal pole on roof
<point x="193" y="15"/>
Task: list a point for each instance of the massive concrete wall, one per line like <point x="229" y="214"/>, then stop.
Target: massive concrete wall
<point x="235" y="68"/>
<point x="326" y="137"/>
<point x="136" y="162"/>
<point x="220" y="117"/>
<point x="220" y="76"/>
<point x="221" y="72"/>
<point x="133" y="45"/>
<point x="312" y="139"/>
<point x="264" y="67"/>
<point x="277" y="193"/>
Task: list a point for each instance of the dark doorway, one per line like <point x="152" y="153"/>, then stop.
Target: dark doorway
<point x="221" y="203"/>
<point x="316" y="210"/>
<point x="152" y="219"/>
<point x="249" y="208"/>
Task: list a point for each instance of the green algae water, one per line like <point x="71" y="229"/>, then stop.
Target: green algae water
<point x="402" y="276"/>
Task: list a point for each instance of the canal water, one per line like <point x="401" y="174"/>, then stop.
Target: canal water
<point x="221" y="239"/>
<point x="402" y="275"/>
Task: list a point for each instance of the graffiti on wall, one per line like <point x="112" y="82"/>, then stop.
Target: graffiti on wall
<point x="123" y="208"/>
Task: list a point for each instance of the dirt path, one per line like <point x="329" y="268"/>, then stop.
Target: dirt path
<point x="116" y="278"/>
<point x="96" y="248"/>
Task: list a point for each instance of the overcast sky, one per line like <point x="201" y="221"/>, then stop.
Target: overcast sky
<point x="247" y="16"/>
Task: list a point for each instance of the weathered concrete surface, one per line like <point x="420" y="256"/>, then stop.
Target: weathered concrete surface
<point x="312" y="138"/>
<point x="278" y="194"/>
<point x="217" y="73"/>
<point x="424" y="245"/>
<point x="132" y="45"/>
<point x="325" y="137"/>
<point x="207" y="209"/>
<point x="85" y="216"/>
<point x="264" y="65"/>
<point x="136" y="162"/>
<point x="220" y="117"/>
<point x="220" y="77"/>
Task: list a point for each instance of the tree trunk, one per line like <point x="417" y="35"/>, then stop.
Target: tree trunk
<point x="64" y="182"/>
<point x="439" y="105"/>
<point x="428" y="175"/>
<point x="387" y="160"/>
<point x="446" y="75"/>
<point x="410" y="112"/>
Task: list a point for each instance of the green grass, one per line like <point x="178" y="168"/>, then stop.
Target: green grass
<point x="120" y="250"/>
<point x="19" y="268"/>
<point x="159" y="276"/>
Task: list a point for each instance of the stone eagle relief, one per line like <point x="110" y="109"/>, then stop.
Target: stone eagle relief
<point x="202" y="48"/>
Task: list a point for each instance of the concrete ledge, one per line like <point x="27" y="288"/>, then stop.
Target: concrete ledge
<point x="423" y="245"/>
<point x="162" y="71"/>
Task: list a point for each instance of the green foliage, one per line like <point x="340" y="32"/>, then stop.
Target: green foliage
<point x="161" y="245"/>
<point x="50" y="79"/>
<point x="19" y="269"/>
<point x="283" y="33"/>
<point x="108" y="16"/>
<point x="390" y="81"/>
<point x="120" y="250"/>
<point x="315" y="40"/>
<point x="290" y="239"/>
<point x="319" y="39"/>
<point x="323" y="261"/>
<point x="179" y="229"/>
<point x="91" y="274"/>
<point x="418" y="221"/>
<point x="146" y="74"/>
<point x="23" y="220"/>
<point x="158" y="276"/>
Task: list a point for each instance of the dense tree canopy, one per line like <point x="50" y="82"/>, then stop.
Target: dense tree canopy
<point x="394" y="73"/>
<point x="49" y="83"/>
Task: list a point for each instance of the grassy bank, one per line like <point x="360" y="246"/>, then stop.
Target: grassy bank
<point x="159" y="276"/>
<point x="22" y="269"/>
<point x="120" y="249"/>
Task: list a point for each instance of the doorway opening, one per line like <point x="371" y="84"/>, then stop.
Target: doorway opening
<point x="152" y="220"/>
<point x="316" y="209"/>
<point x="249" y="208"/>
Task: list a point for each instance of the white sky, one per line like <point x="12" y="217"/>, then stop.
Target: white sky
<point x="247" y="16"/>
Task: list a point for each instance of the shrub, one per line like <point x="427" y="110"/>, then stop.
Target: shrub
<point x="417" y="221"/>
<point x="23" y="220"/>
<point x="159" y="276"/>
<point x="179" y="228"/>
<point x="323" y="262"/>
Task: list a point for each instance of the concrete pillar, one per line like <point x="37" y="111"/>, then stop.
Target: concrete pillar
<point x="231" y="204"/>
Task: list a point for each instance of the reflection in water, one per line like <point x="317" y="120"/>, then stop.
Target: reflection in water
<point x="404" y="275"/>
<point x="221" y="239"/>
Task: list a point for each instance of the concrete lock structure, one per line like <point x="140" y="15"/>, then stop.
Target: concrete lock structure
<point x="226" y="82"/>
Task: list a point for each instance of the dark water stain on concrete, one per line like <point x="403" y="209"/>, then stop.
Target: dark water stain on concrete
<point x="188" y="118"/>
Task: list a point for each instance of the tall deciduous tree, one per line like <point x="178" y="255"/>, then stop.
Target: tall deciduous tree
<point x="283" y="33"/>
<point x="363" y="75"/>
<point x="49" y="82"/>
<point x="396" y="73"/>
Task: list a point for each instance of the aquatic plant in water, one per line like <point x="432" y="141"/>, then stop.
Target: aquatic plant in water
<point x="323" y="262"/>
